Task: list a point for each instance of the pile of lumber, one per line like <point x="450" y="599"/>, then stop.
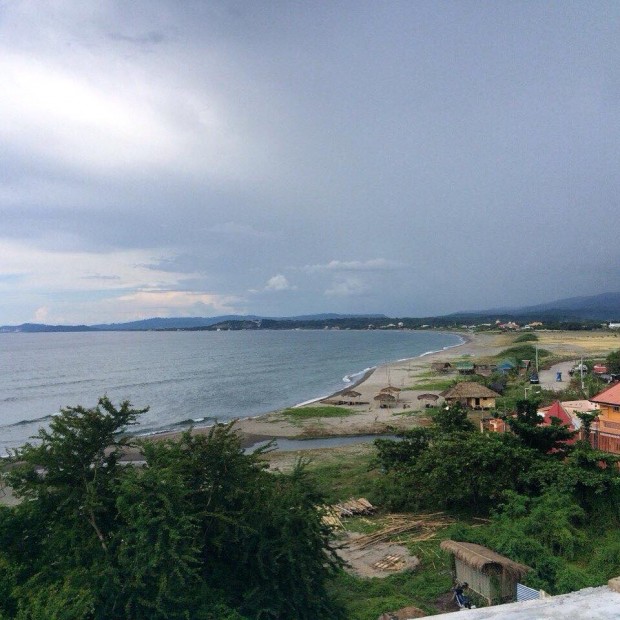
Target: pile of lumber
<point x="350" y="508"/>
<point x="397" y="524"/>
<point x="390" y="563"/>
<point x="353" y="507"/>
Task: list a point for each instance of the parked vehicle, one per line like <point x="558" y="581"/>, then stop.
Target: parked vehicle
<point x="579" y="368"/>
<point x="534" y="378"/>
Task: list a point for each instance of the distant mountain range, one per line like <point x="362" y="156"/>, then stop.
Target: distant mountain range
<point x="178" y="323"/>
<point x="604" y="307"/>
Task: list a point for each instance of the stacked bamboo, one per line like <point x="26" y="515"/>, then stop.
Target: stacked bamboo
<point x="334" y="514"/>
<point x="353" y="507"/>
<point x="400" y="523"/>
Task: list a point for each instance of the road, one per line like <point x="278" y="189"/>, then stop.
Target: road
<point x="548" y="377"/>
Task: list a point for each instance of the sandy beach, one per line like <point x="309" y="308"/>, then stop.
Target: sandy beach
<point x="412" y="377"/>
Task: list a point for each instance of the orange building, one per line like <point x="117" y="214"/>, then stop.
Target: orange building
<point x="606" y="435"/>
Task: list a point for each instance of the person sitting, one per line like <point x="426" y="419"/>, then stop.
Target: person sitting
<point x="464" y="602"/>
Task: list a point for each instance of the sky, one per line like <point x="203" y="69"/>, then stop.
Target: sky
<point x="197" y="158"/>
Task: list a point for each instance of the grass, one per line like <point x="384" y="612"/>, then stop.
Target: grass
<point x="440" y="384"/>
<point x="408" y="413"/>
<point x="352" y="475"/>
<point x="323" y="411"/>
<point x="526" y="338"/>
<point x="523" y="352"/>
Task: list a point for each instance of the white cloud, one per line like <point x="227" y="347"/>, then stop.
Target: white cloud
<point x="90" y="287"/>
<point x="279" y="283"/>
<point x="34" y="268"/>
<point x="347" y="287"/>
<point x="374" y="264"/>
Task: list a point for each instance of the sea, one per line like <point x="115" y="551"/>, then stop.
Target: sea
<point x="188" y="378"/>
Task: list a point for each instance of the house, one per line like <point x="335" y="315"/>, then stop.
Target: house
<point x="506" y="366"/>
<point x="471" y="395"/>
<point x="441" y="366"/>
<point x="606" y="430"/>
<point x="489" y="574"/>
<point x="599" y="369"/>
<point x="557" y="410"/>
<point x="465" y="368"/>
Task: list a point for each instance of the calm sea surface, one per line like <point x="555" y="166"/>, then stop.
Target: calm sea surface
<point x="186" y="377"/>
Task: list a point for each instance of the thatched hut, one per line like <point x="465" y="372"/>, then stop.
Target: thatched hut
<point x="385" y="398"/>
<point x="489" y="574"/>
<point x="390" y="389"/>
<point x="472" y="395"/>
<point x="429" y="398"/>
<point x="350" y="397"/>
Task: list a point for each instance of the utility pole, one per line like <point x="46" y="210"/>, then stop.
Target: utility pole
<point x="581" y="372"/>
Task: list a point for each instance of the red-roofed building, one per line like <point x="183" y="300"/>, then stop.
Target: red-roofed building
<point x="608" y="426"/>
<point x="557" y="411"/>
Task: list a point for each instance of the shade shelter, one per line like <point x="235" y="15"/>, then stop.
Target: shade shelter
<point x="351" y="396"/>
<point x="430" y="398"/>
<point x="489" y="574"/>
<point x="390" y="389"/>
<point x="385" y="398"/>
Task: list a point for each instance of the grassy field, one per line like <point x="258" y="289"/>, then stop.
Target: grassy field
<point x="319" y="411"/>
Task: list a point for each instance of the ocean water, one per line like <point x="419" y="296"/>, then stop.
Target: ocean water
<point x="187" y="377"/>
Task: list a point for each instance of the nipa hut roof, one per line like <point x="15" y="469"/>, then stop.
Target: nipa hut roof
<point x="385" y="396"/>
<point x="469" y="389"/>
<point x="483" y="559"/>
<point x="428" y="397"/>
<point x="351" y="393"/>
<point x="390" y="388"/>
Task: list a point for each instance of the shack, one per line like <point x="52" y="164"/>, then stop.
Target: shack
<point x="471" y="395"/>
<point x="489" y="574"/>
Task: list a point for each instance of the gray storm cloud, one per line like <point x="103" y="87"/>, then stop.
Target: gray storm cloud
<point x="286" y="158"/>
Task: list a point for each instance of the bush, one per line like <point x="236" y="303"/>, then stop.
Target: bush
<point x="526" y="338"/>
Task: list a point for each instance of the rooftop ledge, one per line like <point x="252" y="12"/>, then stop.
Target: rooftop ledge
<point x="601" y="603"/>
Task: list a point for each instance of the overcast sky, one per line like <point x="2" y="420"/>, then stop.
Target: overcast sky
<point x="166" y="158"/>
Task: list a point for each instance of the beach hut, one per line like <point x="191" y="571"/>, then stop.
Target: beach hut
<point x="390" y="389"/>
<point x="385" y="398"/>
<point x="506" y="366"/>
<point x="430" y="398"/>
<point x="472" y="395"/>
<point x="351" y="396"/>
<point x="465" y="368"/>
<point x="489" y="574"/>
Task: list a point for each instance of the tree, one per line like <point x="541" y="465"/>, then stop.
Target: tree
<point x="529" y="428"/>
<point x="199" y="531"/>
<point x="452" y="419"/>
<point x="613" y="362"/>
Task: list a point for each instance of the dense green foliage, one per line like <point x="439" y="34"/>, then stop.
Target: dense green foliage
<point x="528" y="337"/>
<point x="200" y="531"/>
<point x="523" y="352"/>
<point x="547" y="499"/>
<point x="613" y="362"/>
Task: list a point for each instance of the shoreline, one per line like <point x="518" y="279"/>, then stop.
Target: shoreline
<point x="371" y="421"/>
<point x="369" y="418"/>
